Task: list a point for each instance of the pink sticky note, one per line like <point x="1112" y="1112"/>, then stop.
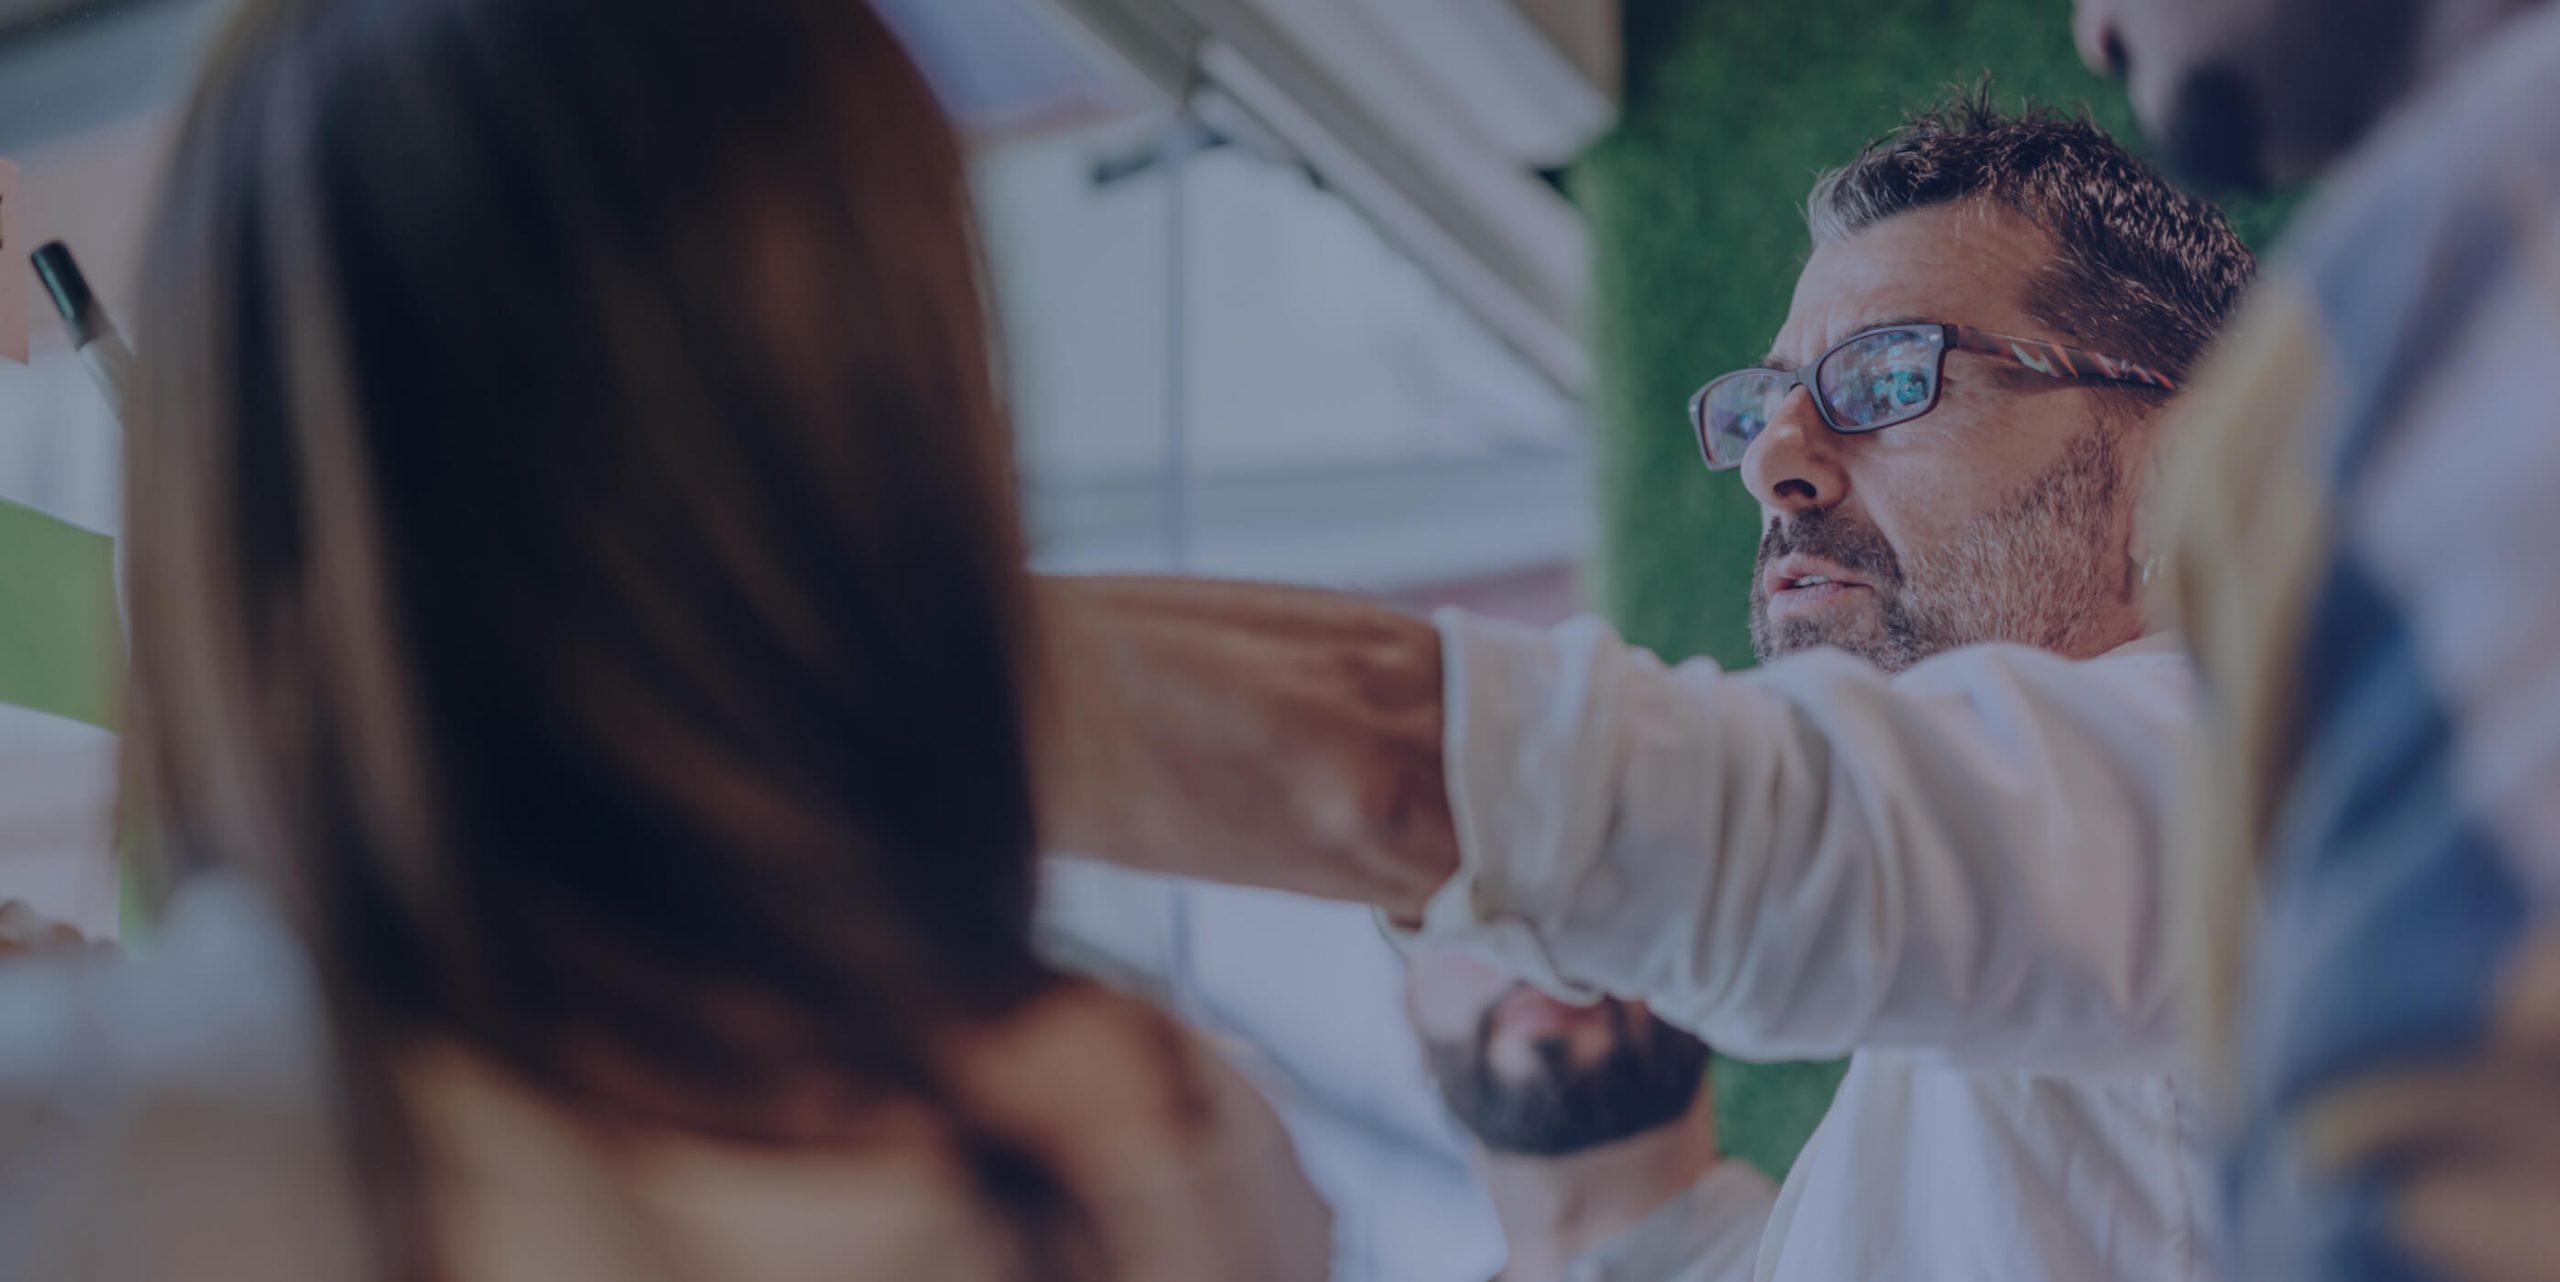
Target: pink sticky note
<point x="14" y="270"/>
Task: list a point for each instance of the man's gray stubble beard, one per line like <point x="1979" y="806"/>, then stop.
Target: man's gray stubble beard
<point x="2039" y="569"/>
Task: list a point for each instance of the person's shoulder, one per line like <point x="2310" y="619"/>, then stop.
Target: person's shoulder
<point x="2155" y="667"/>
<point x="1083" y="1056"/>
<point x="1109" y="1083"/>
<point x="1183" y="1164"/>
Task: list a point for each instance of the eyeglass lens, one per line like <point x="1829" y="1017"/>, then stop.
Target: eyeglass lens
<point x="1880" y="379"/>
<point x="1873" y="381"/>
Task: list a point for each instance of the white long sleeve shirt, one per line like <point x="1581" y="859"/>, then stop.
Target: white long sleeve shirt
<point x="1957" y="877"/>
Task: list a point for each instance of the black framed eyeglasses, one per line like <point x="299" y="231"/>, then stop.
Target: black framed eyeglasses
<point x="1881" y="378"/>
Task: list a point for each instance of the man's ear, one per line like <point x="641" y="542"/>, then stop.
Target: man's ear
<point x="2149" y="431"/>
<point x="2150" y="524"/>
<point x="2147" y="542"/>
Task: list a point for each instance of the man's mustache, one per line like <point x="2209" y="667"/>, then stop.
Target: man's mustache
<point x="1851" y="545"/>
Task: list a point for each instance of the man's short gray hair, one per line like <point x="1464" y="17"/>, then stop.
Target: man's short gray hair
<point x="2141" y="270"/>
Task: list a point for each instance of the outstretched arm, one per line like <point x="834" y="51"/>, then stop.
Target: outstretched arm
<point x="1800" y="861"/>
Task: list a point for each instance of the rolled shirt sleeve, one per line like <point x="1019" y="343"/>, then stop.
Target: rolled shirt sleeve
<point x="1814" y="857"/>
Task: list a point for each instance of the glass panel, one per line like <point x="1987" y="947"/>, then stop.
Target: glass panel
<point x="1286" y="396"/>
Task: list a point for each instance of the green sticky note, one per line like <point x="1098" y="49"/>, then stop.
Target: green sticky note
<point x="61" y="646"/>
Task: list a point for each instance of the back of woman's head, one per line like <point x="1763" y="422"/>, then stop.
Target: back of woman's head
<point x="572" y="549"/>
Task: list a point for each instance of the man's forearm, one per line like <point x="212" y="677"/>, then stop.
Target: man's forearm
<point x="1264" y="736"/>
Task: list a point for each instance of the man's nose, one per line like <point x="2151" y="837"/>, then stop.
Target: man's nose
<point x="1794" y="466"/>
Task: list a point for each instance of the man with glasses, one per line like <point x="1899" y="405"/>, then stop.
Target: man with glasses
<point x="1942" y="858"/>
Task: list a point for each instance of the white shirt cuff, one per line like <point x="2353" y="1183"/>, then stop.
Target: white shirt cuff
<point x="1531" y="763"/>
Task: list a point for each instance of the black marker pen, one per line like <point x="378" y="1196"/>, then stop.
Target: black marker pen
<point x="110" y="362"/>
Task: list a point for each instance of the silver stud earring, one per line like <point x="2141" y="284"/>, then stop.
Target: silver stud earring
<point x="2150" y="570"/>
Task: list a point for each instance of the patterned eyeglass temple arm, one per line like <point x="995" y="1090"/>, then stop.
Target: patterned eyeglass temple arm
<point x="2053" y="360"/>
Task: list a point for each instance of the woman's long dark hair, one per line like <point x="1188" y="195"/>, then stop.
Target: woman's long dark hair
<point x="574" y="562"/>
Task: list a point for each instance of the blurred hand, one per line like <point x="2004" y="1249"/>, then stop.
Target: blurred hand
<point x="24" y="932"/>
<point x="1264" y="736"/>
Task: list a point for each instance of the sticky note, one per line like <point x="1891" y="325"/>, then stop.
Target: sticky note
<point x="14" y="271"/>
<point x="61" y="660"/>
<point x="61" y="645"/>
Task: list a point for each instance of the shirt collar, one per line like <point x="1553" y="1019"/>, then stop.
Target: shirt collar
<point x="2153" y="643"/>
